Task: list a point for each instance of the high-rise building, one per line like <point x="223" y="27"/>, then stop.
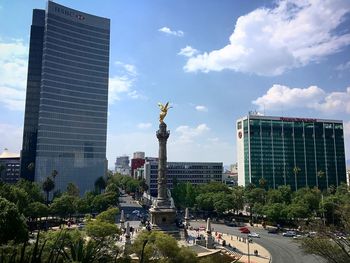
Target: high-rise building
<point x="290" y="151"/>
<point x="65" y="122"/>
<point x="122" y="165"/>
<point x="195" y="173"/>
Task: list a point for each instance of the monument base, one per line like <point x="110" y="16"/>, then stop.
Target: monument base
<point x="164" y="219"/>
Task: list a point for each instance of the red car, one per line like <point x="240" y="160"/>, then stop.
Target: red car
<point x="242" y="228"/>
<point x="245" y="231"/>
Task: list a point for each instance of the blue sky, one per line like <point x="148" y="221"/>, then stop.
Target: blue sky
<point x="213" y="60"/>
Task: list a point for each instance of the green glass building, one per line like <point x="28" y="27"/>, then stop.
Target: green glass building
<point x="290" y="151"/>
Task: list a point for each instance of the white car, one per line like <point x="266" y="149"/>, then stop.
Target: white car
<point x="253" y="234"/>
<point x="289" y="234"/>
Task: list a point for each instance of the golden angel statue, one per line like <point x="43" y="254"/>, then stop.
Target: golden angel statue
<point x="163" y="111"/>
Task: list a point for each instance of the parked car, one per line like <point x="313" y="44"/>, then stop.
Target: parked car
<point x="289" y="234"/>
<point x="253" y="234"/>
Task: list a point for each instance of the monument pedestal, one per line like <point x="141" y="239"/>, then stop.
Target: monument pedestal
<point x="163" y="214"/>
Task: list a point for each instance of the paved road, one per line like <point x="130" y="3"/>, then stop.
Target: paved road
<point x="282" y="249"/>
<point x="128" y="204"/>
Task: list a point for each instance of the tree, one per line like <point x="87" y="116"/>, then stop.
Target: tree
<point x="222" y="202"/>
<point x="161" y="247"/>
<point x="103" y="201"/>
<point x="64" y="206"/>
<point x="72" y="190"/>
<point x="48" y="186"/>
<point x="286" y="193"/>
<point x="205" y="202"/>
<point x="12" y="223"/>
<point x="100" y="184"/>
<point x="36" y="210"/>
<point x="275" y="212"/>
<point x="100" y="230"/>
<point x="262" y="182"/>
<point x="32" y="189"/>
<point x="108" y="215"/>
<point x="256" y="196"/>
<point x="328" y="245"/>
<point x="238" y="198"/>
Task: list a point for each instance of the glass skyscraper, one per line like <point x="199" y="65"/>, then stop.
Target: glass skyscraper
<point x="67" y="97"/>
<point x="290" y="151"/>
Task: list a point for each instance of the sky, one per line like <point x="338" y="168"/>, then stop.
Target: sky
<point x="214" y="61"/>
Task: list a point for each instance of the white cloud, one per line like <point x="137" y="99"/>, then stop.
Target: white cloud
<point x="335" y="102"/>
<point x="168" y="31"/>
<point x="144" y="125"/>
<point x="345" y="66"/>
<point x="123" y="83"/>
<point x="282" y="97"/>
<point x="13" y="73"/>
<point x="129" y="68"/>
<point x="188" y="51"/>
<point x="187" y="134"/>
<point x="118" y="85"/>
<point x="201" y="108"/>
<point x="270" y="41"/>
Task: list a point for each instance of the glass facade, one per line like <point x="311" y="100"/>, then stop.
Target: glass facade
<point x="292" y="151"/>
<point x="30" y="129"/>
<point x="72" y="117"/>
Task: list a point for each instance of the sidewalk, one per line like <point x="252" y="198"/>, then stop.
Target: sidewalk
<point x="263" y="254"/>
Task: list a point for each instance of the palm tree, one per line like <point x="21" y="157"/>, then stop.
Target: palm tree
<point x="48" y="186"/>
<point x="296" y="171"/>
<point x="262" y="182"/>
<point x="54" y="174"/>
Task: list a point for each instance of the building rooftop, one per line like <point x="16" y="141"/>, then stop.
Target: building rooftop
<point x="7" y="154"/>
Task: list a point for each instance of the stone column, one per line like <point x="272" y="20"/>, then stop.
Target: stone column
<point x="209" y="238"/>
<point x="187" y="218"/>
<point x="162" y="135"/>
<point x="122" y="220"/>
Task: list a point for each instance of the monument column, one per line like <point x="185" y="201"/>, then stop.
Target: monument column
<point x="162" y="135"/>
<point x="163" y="214"/>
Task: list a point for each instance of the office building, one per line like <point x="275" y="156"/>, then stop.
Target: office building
<point x="290" y="151"/>
<point x="122" y="165"/>
<point x="195" y="173"/>
<point x="9" y="167"/>
<point x="137" y="161"/>
<point x="65" y="122"/>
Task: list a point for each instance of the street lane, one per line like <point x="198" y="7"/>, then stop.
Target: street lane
<point x="282" y="249"/>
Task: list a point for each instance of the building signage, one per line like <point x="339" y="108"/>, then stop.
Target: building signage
<point x="240" y="134"/>
<point x="298" y="119"/>
<point x="68" y="12"/>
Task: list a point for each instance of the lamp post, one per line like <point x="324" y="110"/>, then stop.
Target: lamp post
<point x="248" y="248"/>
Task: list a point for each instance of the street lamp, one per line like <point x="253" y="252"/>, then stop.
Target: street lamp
<point x="248" y="248"/>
